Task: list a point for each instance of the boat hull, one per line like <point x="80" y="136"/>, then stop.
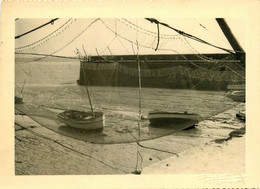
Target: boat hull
<point x="238" y="96"/>
<point x="159" y="118"/>
<point x="236" y="87"/>
<point x="93" y="123"/>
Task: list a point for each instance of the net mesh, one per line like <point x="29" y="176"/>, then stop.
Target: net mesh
<point x="107" y="49"/>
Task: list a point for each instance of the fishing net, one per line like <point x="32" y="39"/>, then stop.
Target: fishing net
<point x="131" y="66"/>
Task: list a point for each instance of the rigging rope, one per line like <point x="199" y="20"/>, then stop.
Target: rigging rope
<point x="50" y="22"/>
<point x="211" y="33"/>
<point x="144" y="46"/>
<point x="65" y="26"/>
<point x="56" y="56"/>
<point x="147" y="32"/>
<point x="118" y="35"/>
<point x="21" y="92"/>
<point x="158" y="30"/>
<point x="123" y="45"/>
<point x="152" y="20"/>
<point x="148" y="47"/>
<point x="69" y="41"/>
<point x="27" y="73"/>
<point x="107" y="46"/>
<point x="236" y="72"/>
<point x="203" y="57"/>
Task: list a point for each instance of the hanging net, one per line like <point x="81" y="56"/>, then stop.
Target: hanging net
<point x="176" y="75"/>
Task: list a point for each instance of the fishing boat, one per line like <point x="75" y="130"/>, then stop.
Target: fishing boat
<point x="236" y="93"/>
<point x="161" y="118"/>
<point x="82" y="120"/>
<point x="87" y="120"/>
<point x="238" y="96"/>
<point x="236" y="87"/>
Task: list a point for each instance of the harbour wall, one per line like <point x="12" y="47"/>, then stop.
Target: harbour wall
<point x="163" y="72"/>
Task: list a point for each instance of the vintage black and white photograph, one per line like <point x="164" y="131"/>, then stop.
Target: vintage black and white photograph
<point x="129" y="96"/>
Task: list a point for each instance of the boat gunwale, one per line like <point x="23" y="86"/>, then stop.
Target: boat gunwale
<point x="177" y="113"/>
<point x="92" y="120"/>
<point x="98" y="118"/>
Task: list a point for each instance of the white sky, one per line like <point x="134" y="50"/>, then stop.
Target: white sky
<point x="98" y="36"/>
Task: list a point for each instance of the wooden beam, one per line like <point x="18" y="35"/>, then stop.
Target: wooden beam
<point x="229" y="35"/>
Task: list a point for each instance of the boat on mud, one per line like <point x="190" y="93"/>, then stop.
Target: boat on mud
<point x="87" y="120"/>
<point x="163" y="118"/>
<point x="238" y="96"/>
<point x="82" y="120"/>
<point x="236" y="93"/>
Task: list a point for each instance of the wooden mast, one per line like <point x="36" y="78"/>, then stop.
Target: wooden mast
<point x="85" y="79"/>
<point x="231" y="39"/>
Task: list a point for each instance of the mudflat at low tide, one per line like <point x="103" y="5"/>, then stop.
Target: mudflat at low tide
<point x="39" y="151"/>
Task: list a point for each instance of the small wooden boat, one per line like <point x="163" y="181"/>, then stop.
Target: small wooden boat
<point x="89" y="120"/>
<point x="82" y="120"/>
<point x="236" y="87"/>
<point x="161" y="118"/>
<point x="238" y="96"/>
<point x="236" y="92"/>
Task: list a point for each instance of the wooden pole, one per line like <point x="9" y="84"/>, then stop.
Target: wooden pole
<point x="84" y="75"/>
<point x="85" y="79"/>
<point x="231" y="39"/>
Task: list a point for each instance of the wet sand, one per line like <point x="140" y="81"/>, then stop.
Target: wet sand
<point x="211" y="158"/>
<point x="39" y="151"/>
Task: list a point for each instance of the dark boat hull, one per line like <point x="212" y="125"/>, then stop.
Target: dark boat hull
<point x="165" y="119"/>
<point x="236" y="93"/>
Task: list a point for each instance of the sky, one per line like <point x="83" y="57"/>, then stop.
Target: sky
<point x="120" y="35"/>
